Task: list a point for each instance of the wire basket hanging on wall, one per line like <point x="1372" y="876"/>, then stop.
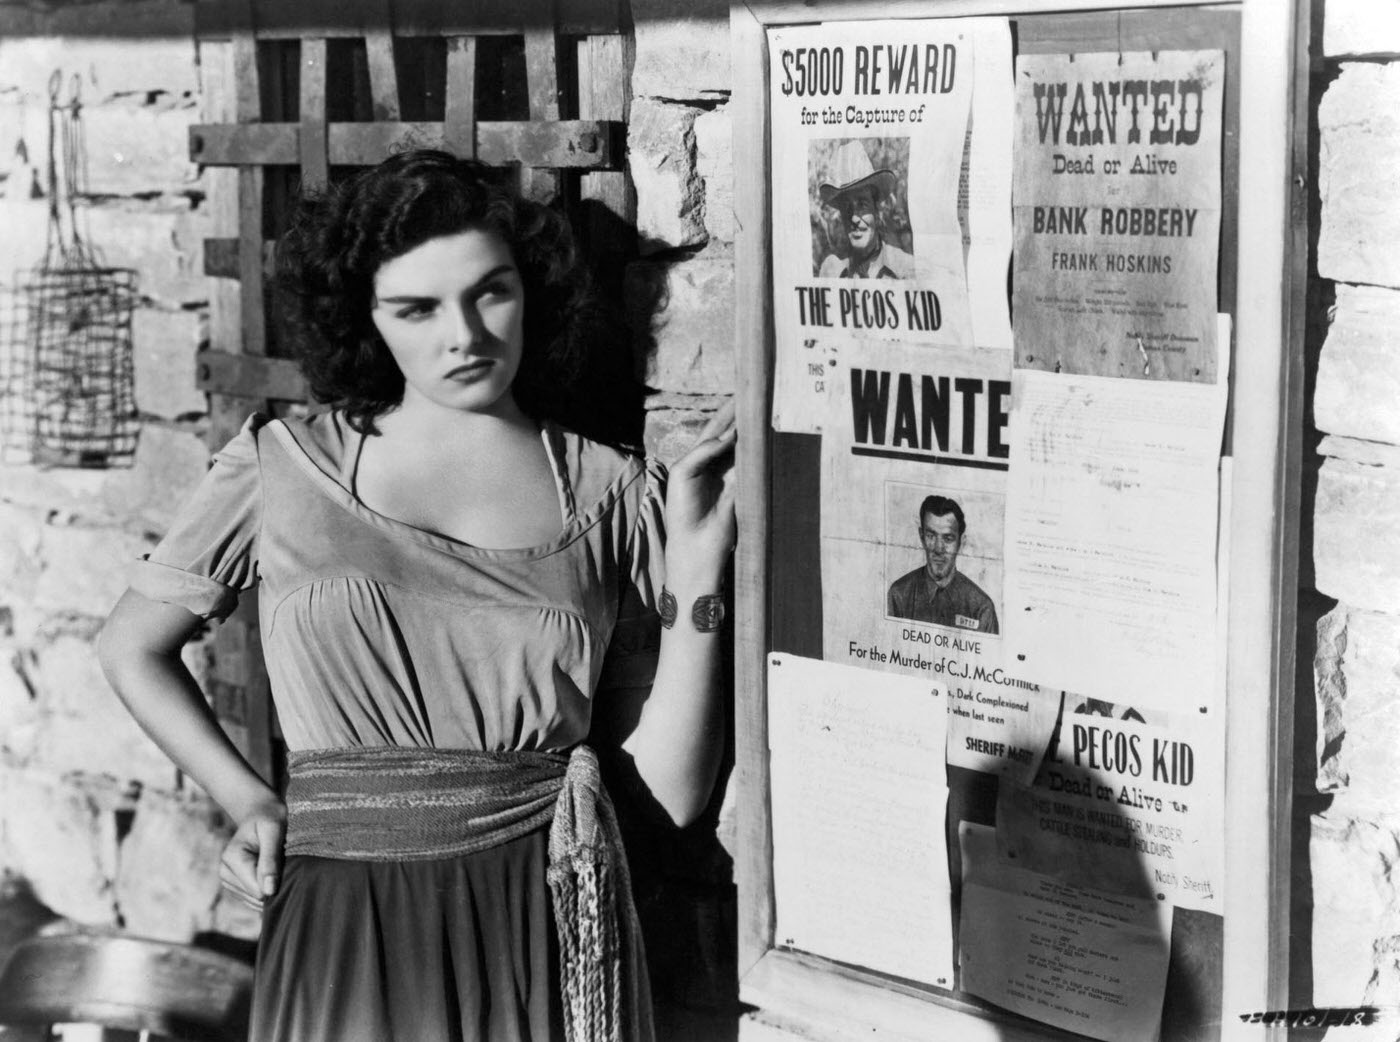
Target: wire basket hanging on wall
<point x="67" y="385"/>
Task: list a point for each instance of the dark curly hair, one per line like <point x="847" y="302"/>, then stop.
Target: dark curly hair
<point x="338" y="239"/>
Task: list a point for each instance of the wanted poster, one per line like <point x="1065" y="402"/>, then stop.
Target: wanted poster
<point x="1125" y="802"/>
<point x="914" y="466"/>
<point x="1117" y="214"/>
<point x="869" y="127"/>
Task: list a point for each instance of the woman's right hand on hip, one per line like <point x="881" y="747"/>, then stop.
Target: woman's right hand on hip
<point x="251" y="866"/>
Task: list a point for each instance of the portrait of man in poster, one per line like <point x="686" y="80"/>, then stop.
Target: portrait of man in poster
<point x="859" y="244"/>
<point x="936" y="592"/>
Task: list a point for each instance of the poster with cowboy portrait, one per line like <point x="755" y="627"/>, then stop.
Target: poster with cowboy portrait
<point x="870" y="142"/>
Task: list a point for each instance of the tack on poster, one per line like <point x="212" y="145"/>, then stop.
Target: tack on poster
<point x="870" y="148"/>
<point x="1117" y="213"/>
<point x="914" y="472"/>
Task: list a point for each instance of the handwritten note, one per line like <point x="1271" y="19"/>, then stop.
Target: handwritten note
<point x="859" y="795"/>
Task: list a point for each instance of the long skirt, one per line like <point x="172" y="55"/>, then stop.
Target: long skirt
<point x="459" y="949"/>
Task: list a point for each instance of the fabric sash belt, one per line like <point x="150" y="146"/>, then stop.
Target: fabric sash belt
<point x="398" y="804"/>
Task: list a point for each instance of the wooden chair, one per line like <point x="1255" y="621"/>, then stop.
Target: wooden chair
<point x="128" y="985"/>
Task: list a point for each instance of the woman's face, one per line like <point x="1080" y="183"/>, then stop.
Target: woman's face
<point x="451" y="312"/>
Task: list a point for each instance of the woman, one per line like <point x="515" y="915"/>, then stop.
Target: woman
<point x="454" y="592"/>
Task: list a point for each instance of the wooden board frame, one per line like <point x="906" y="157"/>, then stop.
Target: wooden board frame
<point x="827" y="1000"/>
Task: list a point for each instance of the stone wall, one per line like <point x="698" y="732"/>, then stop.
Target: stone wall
<point x="107" y="832"/>
<point x="1354" y="836"/>
<point x="678" y="144"/>
<point x="681" y="293"/>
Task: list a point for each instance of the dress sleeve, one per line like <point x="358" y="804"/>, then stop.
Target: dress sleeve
<point x="210" y="553"/>
<point x="636" y="639"/>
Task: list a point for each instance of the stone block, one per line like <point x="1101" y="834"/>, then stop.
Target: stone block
<point x="1356" y="534"/>
<point x="24" y="132"/>
<point x="169" y="464"/>
<point x="66" y="493"/>
<point x="682" y="49"/>
<point x="1356" y="901"/>
<point x="685" y="311"/>
<point x="164" y="344"/>
<point x="26" y="223"/>
<point x="20" y="714"/>
<point x="670" y="194"/>
<point x="162" y="240"/>
<point x="107" y="67"/>
<point x="85" y="727"/>
<point x="1357" y="672"/>
<point x="137" y="148"/>
<point x="167" y="880"/>
<point x="84" y="569"/>
<point x="714" y="162"/>
<point x="1358" y="373"/>
<point x="60" y="834"/>
<point x="1352" y="28"/>
<point x="671" y="431"/>
<point x="1358" y="169"/>
<point x="1355" y="450"/>
<point x="21" y="535"/>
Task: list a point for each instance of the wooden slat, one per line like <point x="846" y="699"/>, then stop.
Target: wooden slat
<point x="311" y="137"/>
<point x="249" y="376"/>
<point x="605" y="65"/>
<point x="221" y="258"/>
<point x="459" y="118"/>
<point x="753" y="329"/>
<point x="250" y="238"/>
<point x="819" y="999"/>
<point x="1267" y="439"/>
<point x="567" y="144"/>
<point x="383" y="74"/>
<point x="281" y="19"/>
<point x="542" y="85"/>
<point x="247" y="110"/>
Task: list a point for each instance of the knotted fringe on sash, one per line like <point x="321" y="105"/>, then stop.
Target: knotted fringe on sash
<point x="395" y="804"/>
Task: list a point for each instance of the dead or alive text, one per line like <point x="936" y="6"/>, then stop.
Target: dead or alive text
<point x="870" y="308"/>
<point x="886" y="68"/>
<point x="924" y="408"/>
<point x="1169" y="221"/>
<point x="1084" y="785"/>
<point x="1145" y="163"/>
<point x="1172" y="107"/>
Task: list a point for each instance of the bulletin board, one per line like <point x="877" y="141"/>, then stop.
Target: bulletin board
<point x="993" y="357"/>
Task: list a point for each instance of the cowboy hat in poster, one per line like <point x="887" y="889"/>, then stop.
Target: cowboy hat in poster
<point x="869" y="131"/>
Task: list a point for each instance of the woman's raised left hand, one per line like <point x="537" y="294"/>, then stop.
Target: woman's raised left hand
<point x="700" y="525"/>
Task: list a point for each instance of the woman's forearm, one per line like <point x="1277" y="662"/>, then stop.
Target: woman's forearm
<point x="156" y="687"/>
<point x="679" y="737"/>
